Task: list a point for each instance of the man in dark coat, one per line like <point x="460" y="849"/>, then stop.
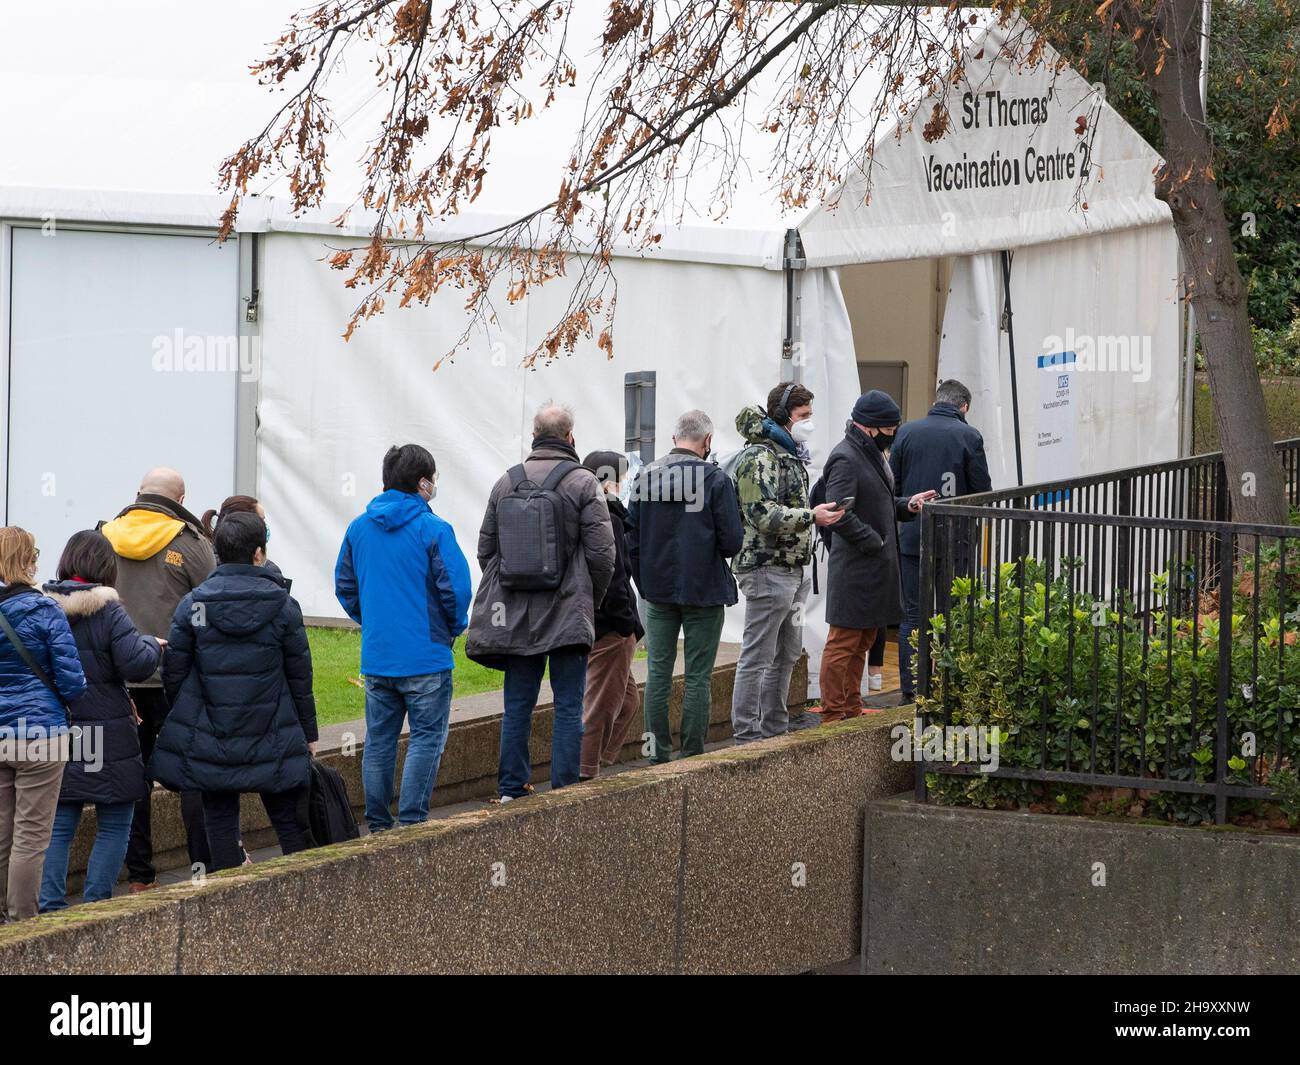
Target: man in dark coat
<point x="941" y="453"/>
<point x="163" y="554"/>
<point x="685" y="525"/>
<point x="238" y="675"/>
<point x="522" y="631"/>
<point x="863" y="591"/>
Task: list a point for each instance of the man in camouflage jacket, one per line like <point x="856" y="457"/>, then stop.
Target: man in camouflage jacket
<point x="772" y="487"/>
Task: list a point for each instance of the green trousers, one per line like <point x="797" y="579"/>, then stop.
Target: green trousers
<point x="701" y="628"/>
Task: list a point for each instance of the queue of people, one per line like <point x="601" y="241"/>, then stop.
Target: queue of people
<point x="96" y="704"/>
<point x="222" y="705"/>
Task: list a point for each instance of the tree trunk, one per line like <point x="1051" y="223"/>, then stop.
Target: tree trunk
<point x="1186" y="183"/>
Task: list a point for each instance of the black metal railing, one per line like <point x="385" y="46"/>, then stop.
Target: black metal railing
<point x="1118" y="630"/>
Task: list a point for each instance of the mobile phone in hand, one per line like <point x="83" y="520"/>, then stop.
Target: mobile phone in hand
<point x="846" y="502"/>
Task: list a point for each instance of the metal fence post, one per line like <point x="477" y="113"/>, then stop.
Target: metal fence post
<point x="1222" y="500"/>
<point x="925" y="604"/>
<point x="1124" y="536"/>
<point x="1225" y="545"/>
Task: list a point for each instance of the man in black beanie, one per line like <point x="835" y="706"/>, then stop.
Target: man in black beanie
<point x="863" y="587"/>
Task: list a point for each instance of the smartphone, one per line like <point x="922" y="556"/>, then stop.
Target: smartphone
<point x="846" y="502"/>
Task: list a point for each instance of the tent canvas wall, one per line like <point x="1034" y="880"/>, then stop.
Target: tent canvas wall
<point x="311" y="415"/>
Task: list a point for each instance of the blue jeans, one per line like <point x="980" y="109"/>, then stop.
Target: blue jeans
<point x="523" y="682"/>
<point x="426" y="700"/>
<point x="112" y="833"/>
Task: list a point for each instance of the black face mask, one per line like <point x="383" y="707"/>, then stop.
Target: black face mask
<point x="882" y="441"/>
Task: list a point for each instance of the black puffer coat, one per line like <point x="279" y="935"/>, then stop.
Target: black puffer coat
<point x="238" y="677"/>
<point x="113" y="654"/>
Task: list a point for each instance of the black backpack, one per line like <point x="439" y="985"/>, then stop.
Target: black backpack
<point x="329" y="813"/>
<point x="531" y="538"/>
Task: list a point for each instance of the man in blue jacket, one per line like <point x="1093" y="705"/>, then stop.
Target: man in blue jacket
<point x="402" y="578"/>
<point x="939" y="453"/>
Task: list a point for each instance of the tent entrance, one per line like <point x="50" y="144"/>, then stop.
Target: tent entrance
<point x="896" y="312"/>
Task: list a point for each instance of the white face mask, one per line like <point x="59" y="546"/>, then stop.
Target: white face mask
<point x="802" y="430"/>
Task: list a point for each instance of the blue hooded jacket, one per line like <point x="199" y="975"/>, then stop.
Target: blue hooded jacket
<point x="403" y="578"/>
<point x="24" y="701"/>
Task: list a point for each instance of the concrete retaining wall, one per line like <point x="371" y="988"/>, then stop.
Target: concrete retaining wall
<point x="745" y="859"/>
<point x="468" y="769"/>
<point x="954" y="890"/>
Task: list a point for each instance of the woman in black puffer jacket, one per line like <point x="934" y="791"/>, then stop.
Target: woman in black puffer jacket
<point x="238" y="678"/>
<point x="109" y="771"/>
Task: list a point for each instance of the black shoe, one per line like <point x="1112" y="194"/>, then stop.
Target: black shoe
<point x="803" y="720"/>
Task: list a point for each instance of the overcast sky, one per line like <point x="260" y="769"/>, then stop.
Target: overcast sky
<point x="150" y="95"/>
<point x="135" y="94"/>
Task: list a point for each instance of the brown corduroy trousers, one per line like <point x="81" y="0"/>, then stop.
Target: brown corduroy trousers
<point x="610" y="703"/>
<point x="843" y="660"/>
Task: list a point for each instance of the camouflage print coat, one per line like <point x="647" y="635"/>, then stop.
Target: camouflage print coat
<point x="772" y="487"/>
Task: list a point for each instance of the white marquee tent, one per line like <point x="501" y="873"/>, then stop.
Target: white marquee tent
<point x="123" y="317"/>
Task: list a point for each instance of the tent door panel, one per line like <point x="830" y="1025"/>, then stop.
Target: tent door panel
<point x="894" y="308"/>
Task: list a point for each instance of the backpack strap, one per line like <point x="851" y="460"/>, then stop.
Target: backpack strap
<point x="518" y="475"/>
<point x="561" y="470"/>
<point x="24" y="652"/>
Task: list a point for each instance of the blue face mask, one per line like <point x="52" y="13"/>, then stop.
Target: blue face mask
<point x="268" y="530"/>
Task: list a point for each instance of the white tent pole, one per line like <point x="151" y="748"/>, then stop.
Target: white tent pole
<point x="1189" y="355"/>
<point x="793" y="259"/>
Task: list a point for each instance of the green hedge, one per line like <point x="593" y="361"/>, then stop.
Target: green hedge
<point x="989" y="680"/>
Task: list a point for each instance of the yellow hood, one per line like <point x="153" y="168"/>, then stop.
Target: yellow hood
<point x="141" y="534"/>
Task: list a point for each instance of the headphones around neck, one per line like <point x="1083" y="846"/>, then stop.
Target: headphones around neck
<point x="781" y="412"/>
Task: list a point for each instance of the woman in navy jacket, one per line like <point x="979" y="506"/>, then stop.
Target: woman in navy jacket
<point x="33" y="722"/>
<point x="107" y="769"/>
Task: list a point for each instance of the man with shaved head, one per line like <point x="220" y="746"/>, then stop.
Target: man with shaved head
<point x="547" y="552"/>
<point x="163" y="555"/>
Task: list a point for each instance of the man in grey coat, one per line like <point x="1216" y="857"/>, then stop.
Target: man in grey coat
<point x="863" y="588"/>
<point x="521" y="631"/>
